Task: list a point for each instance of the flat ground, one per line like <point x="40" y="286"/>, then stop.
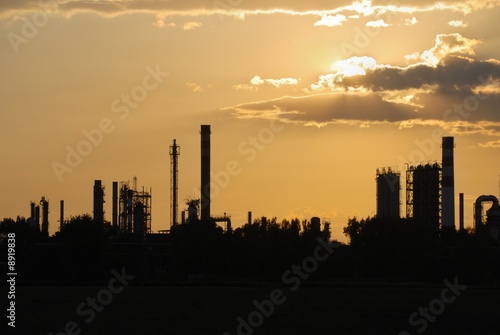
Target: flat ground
<point x="362" y="309"/>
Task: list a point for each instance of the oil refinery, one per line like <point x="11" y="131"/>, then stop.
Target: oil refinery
<point x="429" y="198"/>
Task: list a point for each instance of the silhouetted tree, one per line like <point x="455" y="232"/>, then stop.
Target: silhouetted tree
<point x="25" y="232"/>
<point x="84" y="242"/>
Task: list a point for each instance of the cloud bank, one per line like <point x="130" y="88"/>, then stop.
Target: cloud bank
<point x="444" y="86"/>
<point x="329" y="13"/>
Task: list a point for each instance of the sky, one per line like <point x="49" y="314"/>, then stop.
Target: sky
<point x="306" y="99"/>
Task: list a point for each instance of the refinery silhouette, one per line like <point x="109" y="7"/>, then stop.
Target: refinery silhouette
<point x="390" y="259"/>
<point x="207" y="246"/>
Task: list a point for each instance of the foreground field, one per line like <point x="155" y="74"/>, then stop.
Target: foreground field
<point x="215" y="310"/>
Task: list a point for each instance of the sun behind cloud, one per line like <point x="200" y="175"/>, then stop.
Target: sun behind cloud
<point x="353" y="66"/>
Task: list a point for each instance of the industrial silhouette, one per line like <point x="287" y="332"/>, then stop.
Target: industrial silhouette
<point x="210" y="247"/>
<point x="430" y="196"/>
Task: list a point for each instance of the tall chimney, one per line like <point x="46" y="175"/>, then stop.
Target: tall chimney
<point x="98" y="201"/>
<point x="448" y="184"/>
<point x="115" y="205"/>
<point x="249" y="218"/>
<point x="205" y="173"/>
<point x="461" y="211"/>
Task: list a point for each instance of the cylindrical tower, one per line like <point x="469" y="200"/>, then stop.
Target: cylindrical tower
<point x="388" y="193"/>
<point x="448" y="184"/>
<point x="205" y="173"/>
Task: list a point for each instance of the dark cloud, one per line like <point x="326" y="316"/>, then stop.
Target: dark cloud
<point x="326" y="108"/>
<point x="447" y="88"/>
<point x="452" y="75"/>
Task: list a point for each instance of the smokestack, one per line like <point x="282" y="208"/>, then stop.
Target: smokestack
<point x="448" y="184"/>
<point x="98" y="201"/>
<point x="249" y="218"/>
<point x="205" y="173"/>
<point x="461" y="211"/>
<point x="115" y="205"/>
<point x="61" y="218"/>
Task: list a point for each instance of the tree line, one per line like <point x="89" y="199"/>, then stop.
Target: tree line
<point x="380" y="249"/>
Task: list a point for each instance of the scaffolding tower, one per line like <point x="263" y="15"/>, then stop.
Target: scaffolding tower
<point x="424" y="194"/>
<point x="134" y="209"/>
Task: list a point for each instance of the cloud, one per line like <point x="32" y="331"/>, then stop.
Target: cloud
<point x="445" y="87"/>
<point x="491" y="144"/>
<point x="447" y="44"/>
<point x="411" y="22"/>
<point x="196" y="87"/>
<point x="323" y="109"/>
<point x="377" y="23"/>
<point x="457" y="23"/>
<point x="331" y="20"/>
<point x="191" y="25"/>
<point x="258" y="81"/>
<point x="446" y="68"/>
<point x="323" y="9"/>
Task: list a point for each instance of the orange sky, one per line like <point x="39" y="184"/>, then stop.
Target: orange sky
<point x="308" y="98"/>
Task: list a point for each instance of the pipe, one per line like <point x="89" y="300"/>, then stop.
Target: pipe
<point x="478" y="208"/>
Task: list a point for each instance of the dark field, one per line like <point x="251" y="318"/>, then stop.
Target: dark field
<point x="380" y="309"/>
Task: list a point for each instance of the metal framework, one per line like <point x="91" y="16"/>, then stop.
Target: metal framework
<point x="134" y="209"/>
<point x="174" y="170"/>
<point x="424" y="194"/>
